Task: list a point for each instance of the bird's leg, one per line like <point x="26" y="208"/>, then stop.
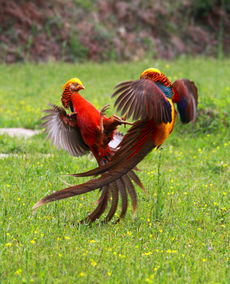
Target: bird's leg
<point x="102" y="113"/>
<point x="104" y="109"/>
<point x="121" y="120"/>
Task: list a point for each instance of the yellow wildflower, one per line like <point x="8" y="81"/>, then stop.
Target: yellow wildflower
<point x="18" y="272"/>
<point x="147" y="253"/>
<point x="93" y="263"/>
<point x="156" y="268"/>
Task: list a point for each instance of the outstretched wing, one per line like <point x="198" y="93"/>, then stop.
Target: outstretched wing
<point x="57" y="126"/>
<point x="142" y="99"/>
<point x="186" y="98"/>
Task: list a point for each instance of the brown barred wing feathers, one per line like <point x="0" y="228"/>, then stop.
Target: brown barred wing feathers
<point x="142" y="99"/>
<point x="62" y="130"/>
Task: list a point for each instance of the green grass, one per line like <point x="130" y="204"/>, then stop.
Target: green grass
<point x="181" y="232"/>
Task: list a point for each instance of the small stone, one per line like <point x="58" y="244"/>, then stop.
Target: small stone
<point x="19" y="132"/>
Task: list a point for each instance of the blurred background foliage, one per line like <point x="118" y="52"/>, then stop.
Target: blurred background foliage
<point x="100" y="30"/>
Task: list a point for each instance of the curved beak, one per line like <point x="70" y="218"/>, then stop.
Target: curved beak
<point x="80" y="87"/>
<point x="76" y="87"/>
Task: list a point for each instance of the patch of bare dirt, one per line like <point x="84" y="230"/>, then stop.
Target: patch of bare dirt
<point x="19" y="132"/>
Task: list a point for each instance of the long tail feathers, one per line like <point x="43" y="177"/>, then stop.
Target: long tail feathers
<point x="136" y="179"/>
<point x="124" y="198"/>
<point x="116" y="177"/>
<point x="121" y="185"/>
<point x="132" y="193"/>
<point x="113" y="208"/>
<point x="100" y="209"/>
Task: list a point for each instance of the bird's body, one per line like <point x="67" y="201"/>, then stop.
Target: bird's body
<point x="93" y="128"/>
<point x="150" y="102"/>
<point x="84" y="130"/>
<point x="161" y="131"/>
<point x="88" y="122"/>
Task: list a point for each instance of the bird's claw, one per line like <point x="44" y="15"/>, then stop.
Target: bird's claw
<point x="104" y="109"/>
<point x="124" y="117"/>
<point x="121" y="120"/>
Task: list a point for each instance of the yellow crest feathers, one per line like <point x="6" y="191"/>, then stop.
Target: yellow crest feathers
<point x="73" y="80"/>
<point x="150" y="70"/>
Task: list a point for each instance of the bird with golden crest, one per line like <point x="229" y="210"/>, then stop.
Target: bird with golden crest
<point x="149" y="101"/>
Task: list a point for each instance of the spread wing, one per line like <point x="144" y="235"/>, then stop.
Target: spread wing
<point x="57" y="126"/>
<point x="142" y="99"/>
<point x="186" y="98"/>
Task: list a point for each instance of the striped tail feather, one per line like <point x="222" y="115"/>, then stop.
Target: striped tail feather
<point x="114" y="203"/>
<point x="116" y="177"/>
<point x="101" y="207"/>
<point x="119" y="179"/>
<point x="123" y="186"/>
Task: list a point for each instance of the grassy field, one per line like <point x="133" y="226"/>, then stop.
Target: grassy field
<point x="181" y="232"/>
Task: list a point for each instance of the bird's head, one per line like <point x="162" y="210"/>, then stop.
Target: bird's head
<point x="74" y="85"/>
<point x="70" y="87"/>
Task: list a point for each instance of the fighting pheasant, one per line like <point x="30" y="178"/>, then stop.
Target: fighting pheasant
<point x="87" y="129"/>
<point x="150" y="102"/>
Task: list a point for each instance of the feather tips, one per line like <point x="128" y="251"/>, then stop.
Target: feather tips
<point x="61" y="133"/>
<point x="142" y="99"/>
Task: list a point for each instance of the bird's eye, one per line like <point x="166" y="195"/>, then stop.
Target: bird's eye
<point x="73" y="87"/>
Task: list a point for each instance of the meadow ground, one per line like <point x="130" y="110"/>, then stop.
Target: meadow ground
<point x="181" y="232"/>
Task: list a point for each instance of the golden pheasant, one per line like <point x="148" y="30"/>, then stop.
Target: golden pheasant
<point x="150" y="101"/>
<point x="87" y="129"/>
